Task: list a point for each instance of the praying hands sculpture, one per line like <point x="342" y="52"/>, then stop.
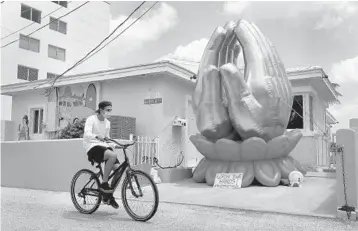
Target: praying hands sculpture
<point x="242" y="117"/>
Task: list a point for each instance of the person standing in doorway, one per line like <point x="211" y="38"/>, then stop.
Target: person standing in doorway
<point x="24" y="129"/>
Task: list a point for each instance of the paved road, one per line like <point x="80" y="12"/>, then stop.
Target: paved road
<point x="38" y="210"/>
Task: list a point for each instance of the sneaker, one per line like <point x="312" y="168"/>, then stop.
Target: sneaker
<point x="105" y="188"/>
<point x="113" y="203"/>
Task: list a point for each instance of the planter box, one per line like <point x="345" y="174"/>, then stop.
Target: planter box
<point x="343" y="215"/>
<point x="172" y="175"/>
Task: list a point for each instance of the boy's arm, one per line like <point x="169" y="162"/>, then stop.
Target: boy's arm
<point x="88" y="135"/>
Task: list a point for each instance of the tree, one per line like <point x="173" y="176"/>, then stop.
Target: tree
<point x="73" y="130"/>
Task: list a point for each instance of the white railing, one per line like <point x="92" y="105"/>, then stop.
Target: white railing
<point x="146" y="150"/>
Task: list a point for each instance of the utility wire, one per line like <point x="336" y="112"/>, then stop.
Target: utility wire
<point x="81" y="60"/>
<point x="61" y="7"/>
<point x="121" y="32"/>
<point x="47" y="24"/>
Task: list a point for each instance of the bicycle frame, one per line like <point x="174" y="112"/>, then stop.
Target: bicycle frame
<point x="125" y="166"/>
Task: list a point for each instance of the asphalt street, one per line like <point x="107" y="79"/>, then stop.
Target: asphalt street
<point x="52" y="211"/>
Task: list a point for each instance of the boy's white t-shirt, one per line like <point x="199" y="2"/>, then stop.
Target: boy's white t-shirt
<point x="93" y="128"/>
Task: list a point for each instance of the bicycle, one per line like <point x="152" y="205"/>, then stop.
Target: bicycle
<point x="130" y="182"/>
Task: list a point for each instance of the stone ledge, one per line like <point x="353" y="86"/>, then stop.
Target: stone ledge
<point x="343" y="215"/>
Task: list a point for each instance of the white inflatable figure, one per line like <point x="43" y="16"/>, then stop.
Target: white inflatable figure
<point x="295" y="178"/>
<point x="155" y="176"/>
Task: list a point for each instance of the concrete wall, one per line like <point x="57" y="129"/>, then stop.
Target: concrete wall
<point x="349" y="139"/>
<point x="43" y="165"/>
<point x="304" y="152"/>
<point x="8" y="130"/>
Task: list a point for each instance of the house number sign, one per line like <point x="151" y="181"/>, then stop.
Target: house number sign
<point x="153" y="101"/>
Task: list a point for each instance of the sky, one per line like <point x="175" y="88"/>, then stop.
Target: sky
<point x="304" y="33"/>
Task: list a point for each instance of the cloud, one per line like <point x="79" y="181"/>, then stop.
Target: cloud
<point x="326" y="15"/>
<point x="235" y="8"/>
<point x="191" y="52"/>
<point x="334" y="14"/>
<point x="345" y="70"/>
<point x="150" y="28"/>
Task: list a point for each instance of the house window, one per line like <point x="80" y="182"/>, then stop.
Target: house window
<point x="30" y="13"/>
<point x="27" y="73"/>
<point x="37" y="115"/>
<point x="61" y="3"/>
<point x="296" y="118"/>
<point x="56" y="53"/>
<point x="51" y="75"/>
<point x="29" y="43"/>
<point x="311" y="112"/>
<point x="58" y="25"/>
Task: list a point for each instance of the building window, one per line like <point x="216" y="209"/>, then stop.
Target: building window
<point x="61" y="3"/>
<point x="56" y="53"/>
<point x="296" y="118"/>
<point x="30" y="13"/>
<point x="311" y="112"/>
<point x="51" y="75"/>
<point x="37" y="115"/>
<point x="58" y="25"/>
<point x="27" y="73"/>
<point x="29" y="43"/>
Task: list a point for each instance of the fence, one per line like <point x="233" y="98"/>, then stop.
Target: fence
<point x="325" y="157"/>
<point x="146" y="150"/>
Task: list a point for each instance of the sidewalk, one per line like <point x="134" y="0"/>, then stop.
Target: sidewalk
<point x="316" y="197"/>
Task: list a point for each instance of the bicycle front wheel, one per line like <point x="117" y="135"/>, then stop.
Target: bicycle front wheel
<point x="139" y="189"/>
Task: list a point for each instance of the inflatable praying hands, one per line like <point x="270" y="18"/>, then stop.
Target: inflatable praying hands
<point x="242" y="117"/>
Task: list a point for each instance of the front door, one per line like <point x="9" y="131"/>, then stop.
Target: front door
<point x="192" y="157"/>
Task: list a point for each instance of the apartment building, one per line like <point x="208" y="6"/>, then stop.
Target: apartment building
<point x="57" y="43"/>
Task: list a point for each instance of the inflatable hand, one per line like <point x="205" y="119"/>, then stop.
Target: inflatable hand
<point x="260" y="100"/>
<point x="253" y="106"/>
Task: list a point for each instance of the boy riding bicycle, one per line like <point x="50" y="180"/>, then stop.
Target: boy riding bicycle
<point x="96" y="132"/>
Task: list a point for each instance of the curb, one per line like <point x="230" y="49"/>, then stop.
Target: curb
<point x="254" y="211"/>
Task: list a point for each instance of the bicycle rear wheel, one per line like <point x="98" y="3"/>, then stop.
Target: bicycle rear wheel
<point x="87" y="184"/>
<point x="136" y="186"/>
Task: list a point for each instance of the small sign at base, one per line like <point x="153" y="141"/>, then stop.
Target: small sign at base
<point x="228" y="180"/>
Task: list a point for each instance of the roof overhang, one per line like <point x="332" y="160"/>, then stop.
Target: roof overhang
<point x="318" y="79"/>
<point x="126" y="72"/>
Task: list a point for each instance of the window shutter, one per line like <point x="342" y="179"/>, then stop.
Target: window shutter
<point x="22" y="72"/>
<point x="33" y="74"/>
<point x="121" y="127"/>
<point x="62" y="27"/>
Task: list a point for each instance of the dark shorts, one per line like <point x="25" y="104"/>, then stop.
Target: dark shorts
<point x="96" y="154"/>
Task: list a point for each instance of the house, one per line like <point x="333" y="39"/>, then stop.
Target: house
<point x="314" y="93"/>
<point x="159" y="93"/>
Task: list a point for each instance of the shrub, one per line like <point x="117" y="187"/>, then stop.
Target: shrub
<point x="73" y="130"/>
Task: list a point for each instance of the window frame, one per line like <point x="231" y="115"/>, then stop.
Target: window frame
<point x="28" y="72"/>
<point x="57" y="48"/>
<point x="302" y="114"/>
<point x="59" y="3"/>
<point x="28" y="41"/>
<point x="57" y="21"/>
<point x="31" y="13"/>
<point x="40" y="123"/>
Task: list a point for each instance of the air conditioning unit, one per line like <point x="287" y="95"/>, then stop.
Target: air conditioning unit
<point x="179" y="122"/>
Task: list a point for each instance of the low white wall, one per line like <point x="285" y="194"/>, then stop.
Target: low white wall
<point x="45" y="165"/>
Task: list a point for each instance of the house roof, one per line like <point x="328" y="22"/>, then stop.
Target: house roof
<point x="319" y="80"/>
<point x="126" y="72"/>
